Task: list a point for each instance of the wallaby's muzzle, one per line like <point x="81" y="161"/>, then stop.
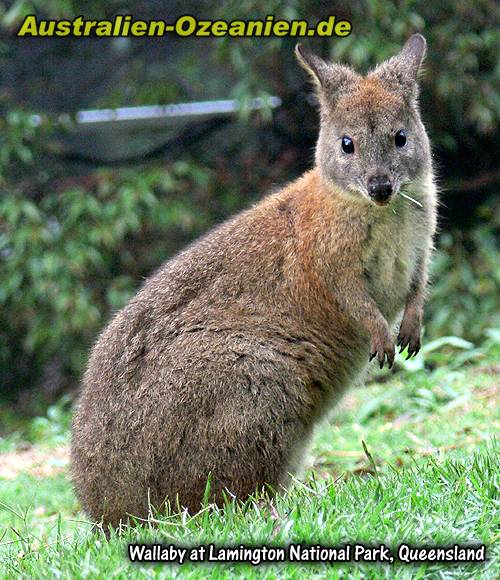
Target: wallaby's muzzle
<point x="380" y="189"/>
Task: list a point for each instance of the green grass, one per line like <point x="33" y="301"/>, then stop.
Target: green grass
<point x="429" y="476"/>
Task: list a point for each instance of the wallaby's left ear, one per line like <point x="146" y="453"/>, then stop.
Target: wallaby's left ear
<point x="400" y="72"/>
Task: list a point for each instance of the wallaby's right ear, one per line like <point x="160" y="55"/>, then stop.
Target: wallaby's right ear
<point x="331" y="80"/>
<point x="314" y="65"/>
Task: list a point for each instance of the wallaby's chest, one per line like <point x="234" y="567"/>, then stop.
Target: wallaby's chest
<point x="394" y="242"/>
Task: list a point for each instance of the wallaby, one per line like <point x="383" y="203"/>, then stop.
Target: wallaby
<point x="227" y="357"/>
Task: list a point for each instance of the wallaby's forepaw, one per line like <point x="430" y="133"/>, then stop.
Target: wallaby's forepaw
<point x="382" y="347"/>
<point x="409" y="336"/>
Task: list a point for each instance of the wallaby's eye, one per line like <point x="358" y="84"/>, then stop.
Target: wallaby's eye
<point x="347" y="144"/>
<point x="400" y="139"/>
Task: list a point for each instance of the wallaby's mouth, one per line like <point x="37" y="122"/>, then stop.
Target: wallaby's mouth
<point x="382" y="198"/>
<point x="381" y="202"/>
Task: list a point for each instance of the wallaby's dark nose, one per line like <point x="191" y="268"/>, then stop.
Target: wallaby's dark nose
<point x="380" y="188"/>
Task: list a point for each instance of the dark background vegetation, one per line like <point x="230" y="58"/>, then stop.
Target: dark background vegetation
<point x="79" y="233"/>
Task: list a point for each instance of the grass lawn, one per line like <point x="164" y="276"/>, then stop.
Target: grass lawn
<point x="429" y="475"/>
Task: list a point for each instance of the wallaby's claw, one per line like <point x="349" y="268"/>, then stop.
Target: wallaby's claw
<point x="413" y="349"/>
<point x="413" y="344"/>
<point x="384" y="350"/>
<point x="409" y="335"/>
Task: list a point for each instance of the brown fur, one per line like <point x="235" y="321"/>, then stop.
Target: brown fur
<point x="230" y="353"/>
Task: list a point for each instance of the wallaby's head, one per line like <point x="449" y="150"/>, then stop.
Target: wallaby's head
<point x="372" y="142"/>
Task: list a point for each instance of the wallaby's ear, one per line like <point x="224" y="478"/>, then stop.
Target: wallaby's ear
<point x="314" y="65"/>
<point x="331" y="80"/>
<point x="400" y="72"/>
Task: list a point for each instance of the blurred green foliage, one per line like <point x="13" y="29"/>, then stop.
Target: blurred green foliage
<point x="465" y="290"/>
<point x="77" y="255"/>
<point x="76" y="242"/>
<point x="428" y="383"/>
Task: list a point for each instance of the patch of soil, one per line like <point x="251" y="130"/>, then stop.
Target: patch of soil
<point x="40" y="463"/>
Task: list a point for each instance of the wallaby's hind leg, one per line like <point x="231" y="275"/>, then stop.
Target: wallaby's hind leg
<point x="209" y="418"/>
<point x="239" y="459"/>
<point x="241" y="432"/>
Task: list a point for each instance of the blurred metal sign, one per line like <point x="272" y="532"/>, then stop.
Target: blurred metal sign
<point x="107" y="135"/>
